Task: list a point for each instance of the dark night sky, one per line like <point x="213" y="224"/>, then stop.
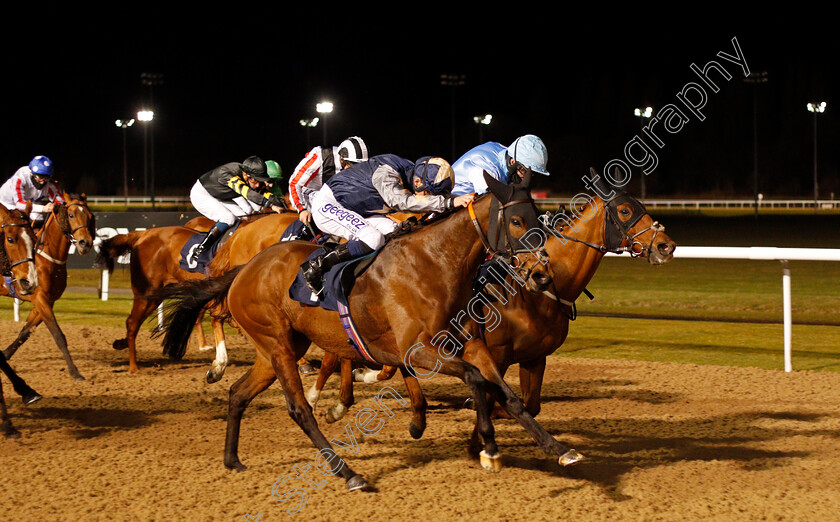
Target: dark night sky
<point x="230" y="92"/>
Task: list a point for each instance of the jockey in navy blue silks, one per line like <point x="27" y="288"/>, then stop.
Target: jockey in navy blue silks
<point x="353" y="205"/>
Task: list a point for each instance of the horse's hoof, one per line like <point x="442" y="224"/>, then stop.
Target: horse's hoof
<point x="29" y="398"/>
<point x="570" y="457"/>
<point x="491" y="462"/>
<point x="415" y="431"/>
<point x="357" y="482"/>
<point x="11" y="433"/>
<point x="236" y="466"/>
<point x="211" y="377"/>
<point x="306" y="369"/>
<point x="469" y="404"/>
<point x="120" y="344"/>
<point x="78" y="377"/>
<point x="206" y="348"/>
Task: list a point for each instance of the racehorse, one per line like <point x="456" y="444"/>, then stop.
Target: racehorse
<point x="69" y="224"/>
<point x="534" y="325"/>
<point x="21" y="277"/>
<point x="155" y="263"/>
<point x="402" y="304"/>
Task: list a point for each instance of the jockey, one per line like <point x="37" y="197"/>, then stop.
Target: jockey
<point x="275" y="173"/>
<point x="320" y="164"/>
<point x="228" y="192"/>
<point x="352" y="205"/>
<point x="32" y="184"/>
<point x="503" y="163"/>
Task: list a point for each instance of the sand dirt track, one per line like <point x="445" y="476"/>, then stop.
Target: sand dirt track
<point x="664" y="441"/>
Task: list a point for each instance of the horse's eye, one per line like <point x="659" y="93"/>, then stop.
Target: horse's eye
<point x="625" y="212"/>
<point x="10" y="239"/>
<point x="515" y="222"/>
<point x="71" y="216"/>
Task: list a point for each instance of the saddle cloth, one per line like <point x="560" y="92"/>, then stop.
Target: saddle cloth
<point x="200" y="265"/>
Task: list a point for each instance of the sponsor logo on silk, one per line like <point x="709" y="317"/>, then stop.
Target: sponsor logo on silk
<point x="343" y="216"/>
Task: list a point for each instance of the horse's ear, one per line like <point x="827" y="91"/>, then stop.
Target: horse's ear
<point x="502" y="191"/>
<point x="83" y="197"/>
<point x="526" y="179"/>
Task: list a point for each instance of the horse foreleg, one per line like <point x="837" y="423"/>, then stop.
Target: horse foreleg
<point x="140" y="310"/>
<point x="32" y="322"/>
<point x="328" y="365"/>
<point x="418" y="403"/>
<point x="530" y="382"/>
<point x="45" y="308"/>
<point x="215" y="373"/>
<point x="478" y="355"/>
<point x="26" y="393"/>
<point x="242" y="392"/>
<point x="345" y="393"/>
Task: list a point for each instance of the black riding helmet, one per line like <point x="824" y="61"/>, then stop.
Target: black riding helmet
<point x="254" y="166"/>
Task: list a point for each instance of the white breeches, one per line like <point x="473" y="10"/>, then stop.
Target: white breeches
<point x="218" y="210"/>
<point x="332" y="218"/>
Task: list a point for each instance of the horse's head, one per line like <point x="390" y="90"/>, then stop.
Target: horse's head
<point x="512" y="215"/>
<point x="629" y="228"/>
<point x="77" y="222"/>
<point x="17" y="263"/>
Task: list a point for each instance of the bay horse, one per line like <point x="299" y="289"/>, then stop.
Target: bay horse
<point x="17" y="266"/>
<point x="71" y="223"/>
<point x="402" y="305"/>
<point x="155" y="263"/>
<point x="534" y="325"/>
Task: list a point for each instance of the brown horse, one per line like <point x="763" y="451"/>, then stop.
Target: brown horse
<point x="17" y="266"/>
<point x="534" y="325"/>
<point x="69" y="224"/>
<point x="403" y="305"/>
<point x="155" y="263"/>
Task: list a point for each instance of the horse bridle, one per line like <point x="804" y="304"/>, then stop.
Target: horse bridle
<point x="69" y="234"/>
<point x="619" y="233"/>
<point x="7" y="270"/>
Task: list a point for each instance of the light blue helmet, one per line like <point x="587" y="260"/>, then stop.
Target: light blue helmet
<point x="41" y="165"/>
<point x="530" y="151"/>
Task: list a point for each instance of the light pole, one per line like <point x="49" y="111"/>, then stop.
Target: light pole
<point x="146" y="117"/>
<point x="816" y="108"/>
<point x="481" y="121"/>
<point x="308" y="124"/>
<point x="642" y="113"/>
<point x="324" y="108"/>
<point x="453" y="80"/>
<point x="124" y="125"/>
<point x="755" y="79"/>
<point x="151" y="80"/>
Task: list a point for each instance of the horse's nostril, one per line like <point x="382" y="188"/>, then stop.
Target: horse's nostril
<point x="664" y="248"/>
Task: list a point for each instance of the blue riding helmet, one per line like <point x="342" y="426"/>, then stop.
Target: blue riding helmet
<point x="530" y="151"/>
<point x="41" y="165"/>
<point x="435" y="175"/>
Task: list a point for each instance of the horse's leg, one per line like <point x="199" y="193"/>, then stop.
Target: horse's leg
<point x="287" y="373"/>
<point x="370" y="375"/>
<point x="530" y="382"/>
<point x="345" y="393"/>
<point x="140" y="310"/>
<point x="255" y="381"/>
<point x="418" y="403"/>
<point x="215" y="373"/>
<point x="304" y="366"/>
<point x="32" y="322"/>
<point x="327" y="369"/>
<point x="45" y="308"/>
<point x="27" y="394"/>
<point x="200" y="339"/>
<point x="6" y="427"/>
<point x="425" y="358"/>
<point x="478" y="355"/>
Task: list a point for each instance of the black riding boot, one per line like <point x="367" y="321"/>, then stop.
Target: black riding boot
<point x="314" y="269"/>
<point x="212" y="236"/>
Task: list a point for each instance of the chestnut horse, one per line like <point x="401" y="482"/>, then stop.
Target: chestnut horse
<point x="402" y="304"/>
<point x="534" y="325"/>
<point x="155" y="263"/>
<point x="17" y="266"/>
<point x="69" y="224"/>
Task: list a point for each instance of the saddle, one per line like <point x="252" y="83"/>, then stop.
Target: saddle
<point x="200" y="265"/>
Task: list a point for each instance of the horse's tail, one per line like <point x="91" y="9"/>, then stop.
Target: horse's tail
<point x="183" y="305"/>
<point x="113" y="247"/>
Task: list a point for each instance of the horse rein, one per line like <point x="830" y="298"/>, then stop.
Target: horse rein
<point x="68" y="234"/>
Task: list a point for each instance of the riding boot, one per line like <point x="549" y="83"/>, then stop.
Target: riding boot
<point x="212" y="235"/>
<point x="314" y="269"/>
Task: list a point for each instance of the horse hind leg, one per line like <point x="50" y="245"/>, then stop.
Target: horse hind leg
<point x="6" y="427"/>
<point x="256" y="380"/>
<point x="220" y="363"/>
<point x="140" y="310"/>
<point x="21" y="388"/>
<point x="418" y="404"/>
<point x="32" y="322"/>
<point x="328" y="365"/>
<point x="346" y="398"/>
<point x="45" y="309"/>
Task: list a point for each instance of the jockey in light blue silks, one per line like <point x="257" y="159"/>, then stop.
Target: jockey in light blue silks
<point x="505" y="164"/>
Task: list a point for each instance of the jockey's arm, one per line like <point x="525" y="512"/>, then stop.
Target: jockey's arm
<point x="389" y="184"/>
